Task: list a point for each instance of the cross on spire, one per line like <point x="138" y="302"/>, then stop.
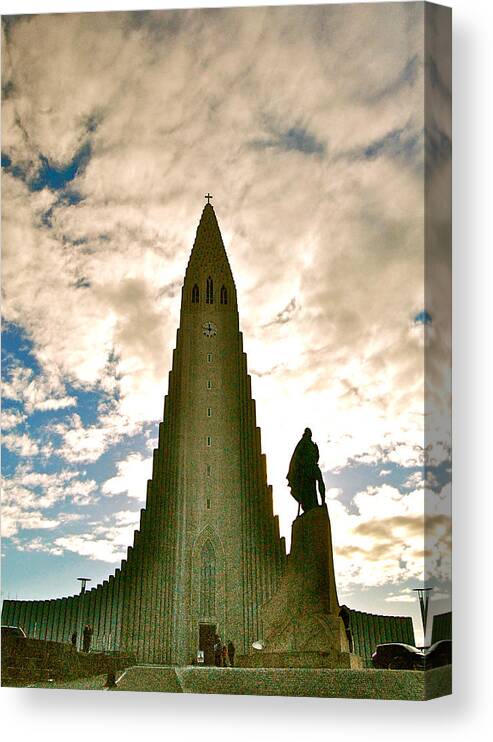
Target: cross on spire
<point x="208" y="197"/>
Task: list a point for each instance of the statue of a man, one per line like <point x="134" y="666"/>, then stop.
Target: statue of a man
<point x="304" y="473"/>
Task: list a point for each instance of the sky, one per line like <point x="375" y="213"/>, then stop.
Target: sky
<point x="307" y="125"/>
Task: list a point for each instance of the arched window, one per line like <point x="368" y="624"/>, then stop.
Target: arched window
<point x="209" y="293"/>
<point x="195" y="294"/>
<point x="224" y="295"/>
<point x="208" y="581"/>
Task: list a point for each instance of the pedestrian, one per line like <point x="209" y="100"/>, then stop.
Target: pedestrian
<point x="231" y="653"/>
<point x="86" y="638"/>
<point x="110" y="679"/>
<point x="218" y="651"/>
<point x="73" y="639"/>
<point x="224" y="655"/>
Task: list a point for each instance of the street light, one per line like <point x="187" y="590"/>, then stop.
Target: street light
<point x="423" y="597"/>
<point x="83" y="583"/>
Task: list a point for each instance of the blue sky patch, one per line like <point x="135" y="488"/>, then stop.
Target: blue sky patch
<point x="396" y="143"/>
<point x="294" y="139"/>
<point x="15" y="170"/>
<point x="56" y="178"/>
<point x="423" y="318"/>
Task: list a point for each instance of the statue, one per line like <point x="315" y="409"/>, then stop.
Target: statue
<point x="304" y="473"/>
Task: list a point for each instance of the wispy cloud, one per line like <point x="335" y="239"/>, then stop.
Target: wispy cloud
<point x="404" y="81"/>
<point x="36" y="392"/>
<point x="28" y="494"/>
<point x="12" y="418"/>
<point x="107" y="542"/>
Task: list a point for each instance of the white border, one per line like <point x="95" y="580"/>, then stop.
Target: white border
<point x="46" y="715"/>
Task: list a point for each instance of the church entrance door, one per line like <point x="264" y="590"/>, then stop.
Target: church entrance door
<point x="207" y="633"/>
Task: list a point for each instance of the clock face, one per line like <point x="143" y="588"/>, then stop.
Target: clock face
<point x="209" y="329"/>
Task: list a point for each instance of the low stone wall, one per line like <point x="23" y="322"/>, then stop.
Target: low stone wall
<point x="339" y="660"/>
<point x="403" y="685"/>
<point x="27" y="661"/>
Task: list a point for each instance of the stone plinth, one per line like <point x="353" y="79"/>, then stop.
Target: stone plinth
<point x="302" y="626"/>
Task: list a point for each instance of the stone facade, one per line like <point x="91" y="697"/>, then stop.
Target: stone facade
<point x="208" y="551"/>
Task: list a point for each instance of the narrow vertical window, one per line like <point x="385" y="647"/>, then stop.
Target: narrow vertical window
<point x="224" y="295"/>
<point x="209" y="292"/>
<point x="209" y="357"/>
<point x="209" y="440"/>
<point x="195" y="294"/>
<point x="209" y="470"/>
<point x="208" y="504"/>
<point x="209" y="412"/>
<point x="209" y="384"/>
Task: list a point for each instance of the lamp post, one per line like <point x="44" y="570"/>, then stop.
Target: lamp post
<point x="83" y="583"/>
<point x="423" y="597"/>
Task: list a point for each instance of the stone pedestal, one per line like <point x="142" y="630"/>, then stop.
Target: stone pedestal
<point x="302" y="626"/>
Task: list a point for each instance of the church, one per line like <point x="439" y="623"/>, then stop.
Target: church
<point x="208" y="553"/>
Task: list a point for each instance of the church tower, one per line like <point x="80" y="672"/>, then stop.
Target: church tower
<point x="208" y="553"/>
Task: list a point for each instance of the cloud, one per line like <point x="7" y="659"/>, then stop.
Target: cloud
<point x="131" y="479"/>
<point x="107" y="542"/>
<point x="405" y="80"/>
<point x="36" y="392"/>
<point x="332" y="493"/>
<point x="37" y="544"/>
<point x="87" y="443"/>
<point x="421" y="479"/>
<point x="89" y="546"/>
<point x="383" y="538"/>
<point x="285" y="315"/>
<point x="403" y="596"/>
<point x="28" y="493"/>
<point x="11" y="419"/>
<point x="21" y="444"/>
<point x="15" y="520"/>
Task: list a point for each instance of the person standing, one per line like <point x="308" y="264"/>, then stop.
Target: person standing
<point x="218" y="651"/>
<point x="86" y="638"/>
<point x="224" y="655"/>
<point x="231" y="653"/>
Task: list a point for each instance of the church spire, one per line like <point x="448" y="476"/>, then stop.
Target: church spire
<point x="208" y="278"/>
<point x="208" y="248"/>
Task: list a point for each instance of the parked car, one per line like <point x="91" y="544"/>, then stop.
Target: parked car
<point x="439" y="654"/>
<point x="396" y="656"/>
<point x="13" y="631"/>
